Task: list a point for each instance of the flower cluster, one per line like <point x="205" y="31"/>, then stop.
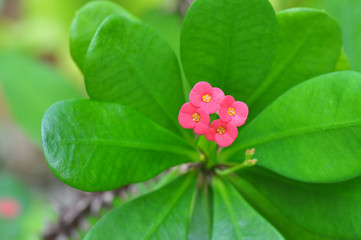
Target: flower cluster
<point x="205" y="100"/>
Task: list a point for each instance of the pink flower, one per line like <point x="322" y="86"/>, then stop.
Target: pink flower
<point x="9" y="208"/>
<point x="222" y="132"/>
<point x="232" y="111"/>
<point x="192" y="117"/>
<point x="203" y="95"/>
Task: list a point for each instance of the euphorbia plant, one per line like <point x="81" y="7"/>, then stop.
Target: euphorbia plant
<point x="306" y="134"/>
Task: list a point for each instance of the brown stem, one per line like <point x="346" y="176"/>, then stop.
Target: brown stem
<point x="71" y="218"/>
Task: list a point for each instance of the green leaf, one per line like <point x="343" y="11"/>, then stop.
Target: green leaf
<point x="235" y="219"/>
<point x="327" y="210"/>
<point x="343" y="63"/>
<point x="229" y="44"/>
<point x="260" y="203"/>
<point x="167" y="24"/>
<point x="309" y="45"/>
<point x="347" y="13"/>
<point x="311" y="133"/>
<point x="128" y="63"/>
<point x="200" y="225"/>
<point x="162" y="214"/>
<point x="98" y="146"/>
<point x="29" y="87"/>
<point x="85" y="24"/>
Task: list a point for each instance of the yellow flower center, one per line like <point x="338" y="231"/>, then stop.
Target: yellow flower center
<point x="221" y="130"/>
<point x="231" y="111"/>
<point x="206" y="98"/>
<point x="196" y="117"/>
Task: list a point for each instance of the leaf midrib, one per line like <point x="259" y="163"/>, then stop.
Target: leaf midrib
<point x="288" y="134"/>
<point x="274" y="74"/>
<point x="228" y="52"/>
<point x="130" y="144"/>
<point x="167" y="211"/>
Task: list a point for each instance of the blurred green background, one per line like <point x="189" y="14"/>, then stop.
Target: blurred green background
<point x="36" y="70"/>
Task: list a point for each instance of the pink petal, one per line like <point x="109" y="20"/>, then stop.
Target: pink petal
<point x="217" y="95"/>
<point x="210" y="107"/>
<point x="188" y="108"/>
<point x="218" y="123"/>
<point x="241" y="115"/>
<point x="226" y="139"/>
<point x="196" y="94"/>
<point x="238" y="121"/>
<point x="211" y="133"/>
<point x="223" y="108"/>
<point x="232" y="130"/>
<point x="227" y="101"/>
<point x="186" y="120"/>
<point x="204" y="116"/>
<point x="201" y="128"/>
<point x="185" y="117"/>
<point x="223" y="115"/>
<point x="241" y="109"/>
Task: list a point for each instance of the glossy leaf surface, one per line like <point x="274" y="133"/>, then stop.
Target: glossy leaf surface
<point x="286" y="227"/>
<point x="29" y="87"/>
<point x="311" y="133"/>
<point x="200" y="225"/>
<point x="235" y="219"/>
<point x="98" y="146"/>
<point x="142" y="73"/>
<point x="86" y="23"/>
<point x="162" y="214"/>
<point x="309" y="45"/>
<point x="229" y="44"/>
<point x="315" y="208"/>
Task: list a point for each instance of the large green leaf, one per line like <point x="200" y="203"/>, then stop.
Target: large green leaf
<point x="163" y="214"/>
<point x="200" y="225"/>
<point x="229" y="44"/>
<point x="309" y="45"/>
<point x="128" y="63"/>
<point x="29" y="87"/>
<point x="86" y="22"/>
<point x="326" y="210"/>
<point x="347" y="13"/>
<point x="98" y="146"/>
<point x="311" y="133"/>
<point x="235" y="219"/>
<point x="258" y="201"/>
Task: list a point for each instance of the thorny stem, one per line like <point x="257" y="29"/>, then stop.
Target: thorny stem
<point x="72" y="218"/>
